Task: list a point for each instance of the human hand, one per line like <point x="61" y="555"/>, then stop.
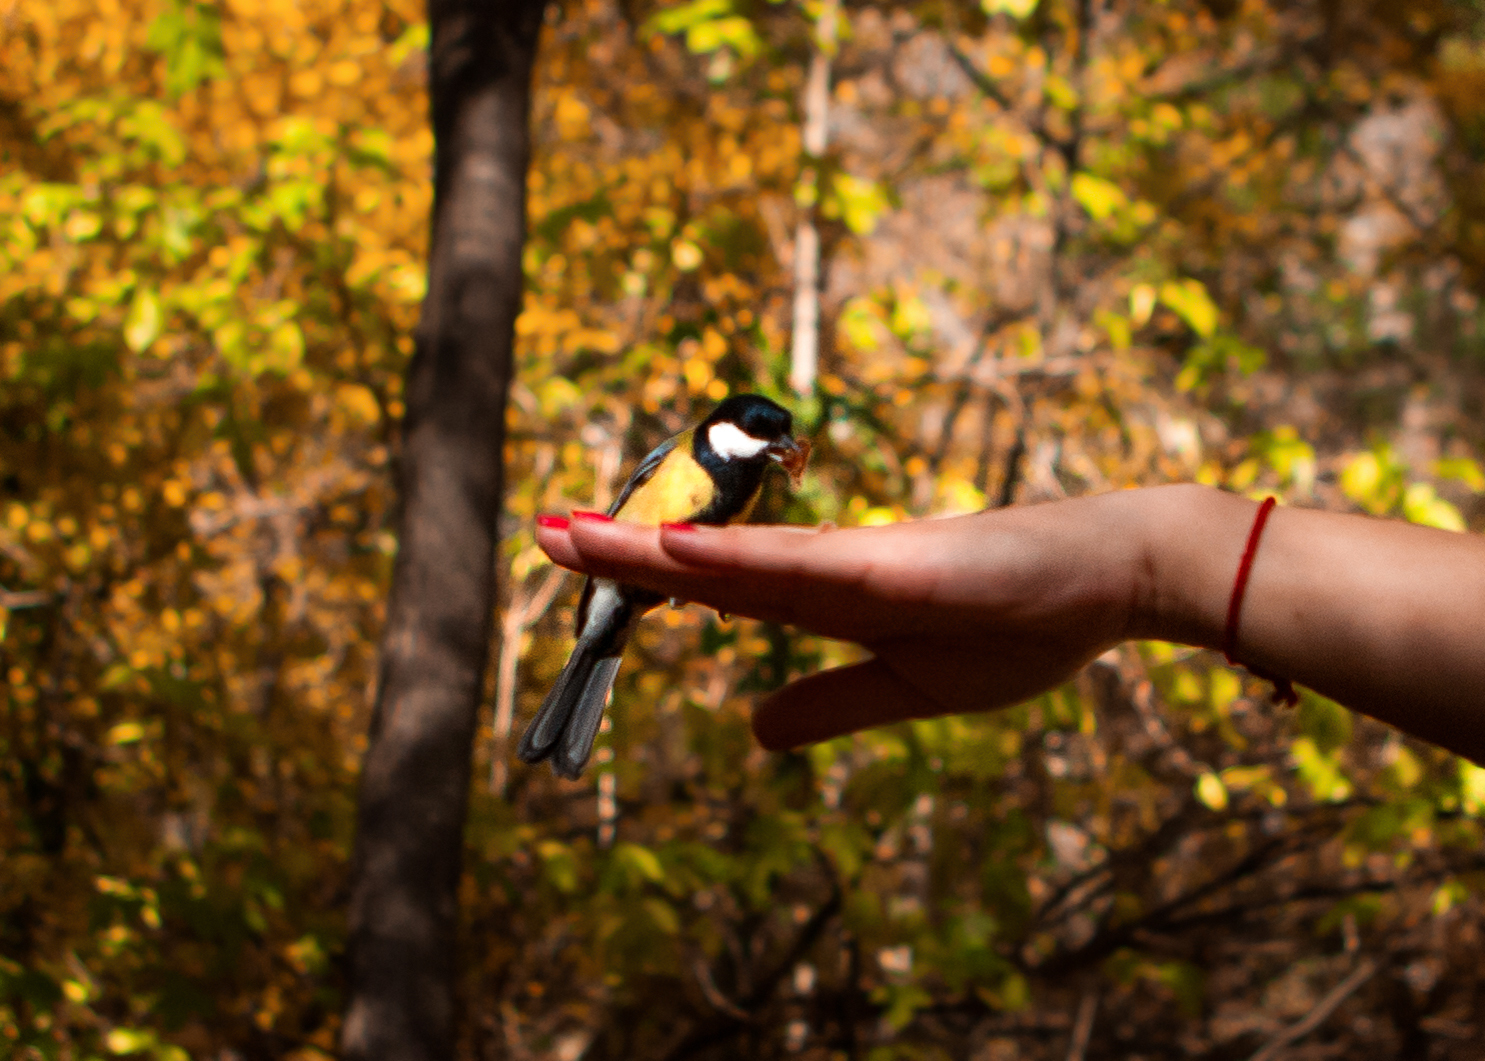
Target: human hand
<point x="963" y="614"/>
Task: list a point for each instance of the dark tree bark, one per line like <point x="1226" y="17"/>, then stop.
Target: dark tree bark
<point x="415" y="780"/>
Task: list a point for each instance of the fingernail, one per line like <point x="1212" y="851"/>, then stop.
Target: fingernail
<point x="552" y="522"/>
<point x="591" y="517"/>
<point x="678" y="526"/>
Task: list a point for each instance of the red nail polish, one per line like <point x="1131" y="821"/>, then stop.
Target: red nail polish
<point x="552" y="522"/>
<point x="592" y="517"/>
<point x="678" y="526"/>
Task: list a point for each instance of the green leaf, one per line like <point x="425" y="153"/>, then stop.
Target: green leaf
<point x="1320" y="771"/>
<point x="1422" y="504"/>
<point x="1098" y="196"/>
<point x="902" y="1002"/>
<point x="373" y="147"/>
<point x="1211" y="791"/>
<point x="300" y="137"/>
<point x="859" y="202"/>
<point x="46" y="205"/>
<point x="150" y="125"/>
<point x="1471" y="788"/>
<point x="1061" y="92"/>
<point x="1449" y="895"/>
<point x="1142" y="304"/>
<point x="557" y="395"/>
<point x="1461" y="469"/>
<point x="189" y="37"/>
<point x="1325" y="722"/>
<point x="129" y="1040"/>
<point x="684" y="16"/>
<point x="560" y="865"/>
<point x="1189" y="300"/>
<point x="142" y="324"/>
<point x="1373" y="480"/>
<point x="1014" y="8"/>
<point x="1186" y="982"/>
<point x="709" y="25"/>
<point x="663" y="915"/>
<point x="910" y="316"/>
<point x="641" y="862"/>
<point x="126" y="733"/>
<point x="1290" y="456"/>
<point x="735" y="32"/>
<point x="686" y="255"/>
<point x="862" y="325"/>
<point x="413" y="39"/>
<point x="285" y="348"/>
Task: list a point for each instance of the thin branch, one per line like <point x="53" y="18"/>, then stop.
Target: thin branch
<point x="521" y="614"/>
<point x="15" y="600"/>
<point x="728" y="1020"/>
<point x="1392" y="194"/>
<point x="1109" y="939"/>
<point x="1013" y="462"/>
<point x="1317" y="1016"/>
<point x="1244" y="73"/>
<point x="714" y="995"/>
<point x="981" y="80"/>
<point x="1083" y="1025"/>
<point x="1314" y="893"/>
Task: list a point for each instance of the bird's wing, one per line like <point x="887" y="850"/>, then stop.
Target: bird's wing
<point x="646" y="470"/>
<point x="641" y="475"/>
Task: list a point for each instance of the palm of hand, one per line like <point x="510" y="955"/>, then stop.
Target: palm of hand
<point x="964" y="614"/>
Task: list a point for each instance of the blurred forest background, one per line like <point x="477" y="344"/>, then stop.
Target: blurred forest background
<point x="1067" y="246"/>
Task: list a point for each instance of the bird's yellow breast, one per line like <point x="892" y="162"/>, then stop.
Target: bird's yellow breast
<point x="679" y="489"/>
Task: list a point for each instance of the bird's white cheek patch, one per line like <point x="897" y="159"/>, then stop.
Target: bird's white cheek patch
<point x="730" y="441"/>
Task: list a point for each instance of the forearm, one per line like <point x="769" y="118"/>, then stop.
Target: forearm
<point x="1387" y="618"/>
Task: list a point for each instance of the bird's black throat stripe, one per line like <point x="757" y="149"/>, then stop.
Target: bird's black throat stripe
<point x="737" y="482"/>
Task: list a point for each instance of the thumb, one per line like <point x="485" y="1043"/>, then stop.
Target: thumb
<point x="836" y="702"/>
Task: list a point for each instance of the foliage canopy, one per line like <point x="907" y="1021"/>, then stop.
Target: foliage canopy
<point x="1071" y="247"/>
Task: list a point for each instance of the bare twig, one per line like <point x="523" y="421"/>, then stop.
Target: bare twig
<point x="522" y="613"/>
<point x="981" y="80"/>
<point x="1317" y="1016"/>
<point x="713" y="993"/>
<point x="15" y="600"/>
<point x="728" y="1019"/>
<point x="1388" y="191"/>
<point x="1012" y="478"/>
<point x="1083" y="1026"/>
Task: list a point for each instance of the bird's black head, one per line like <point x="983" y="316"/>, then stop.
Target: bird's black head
<point x="758" y="417"/>
<point x="746" y="428"/>
<point x="736" y="444"/>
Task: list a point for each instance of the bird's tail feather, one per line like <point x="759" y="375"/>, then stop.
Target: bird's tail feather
<point x="567" y="724"/>
<point x="576" y="743"/>
<point x="540" y="738"/>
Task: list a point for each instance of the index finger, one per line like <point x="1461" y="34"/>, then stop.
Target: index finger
<point x="793" y="575"/>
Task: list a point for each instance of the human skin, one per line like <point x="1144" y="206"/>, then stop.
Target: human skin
<point x="984" y="611"/>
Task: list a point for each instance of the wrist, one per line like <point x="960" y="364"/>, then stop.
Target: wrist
<point x="1191" y="543"/>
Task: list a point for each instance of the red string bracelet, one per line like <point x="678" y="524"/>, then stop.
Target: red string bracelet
<point x="1283" y="688"/>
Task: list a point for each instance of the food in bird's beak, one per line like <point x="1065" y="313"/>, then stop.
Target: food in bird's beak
<point x="793" y="455"/>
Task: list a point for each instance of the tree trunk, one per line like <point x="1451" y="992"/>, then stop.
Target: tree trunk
<point x="804" y="350"/>
<point x="415" y="780"/>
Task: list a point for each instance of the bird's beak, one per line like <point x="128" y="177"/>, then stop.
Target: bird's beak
<point x="784" y="450"/>
<point x="793" y="454"/>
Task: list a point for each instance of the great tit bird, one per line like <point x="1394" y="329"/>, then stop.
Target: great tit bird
<point x="710" y="474"/>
